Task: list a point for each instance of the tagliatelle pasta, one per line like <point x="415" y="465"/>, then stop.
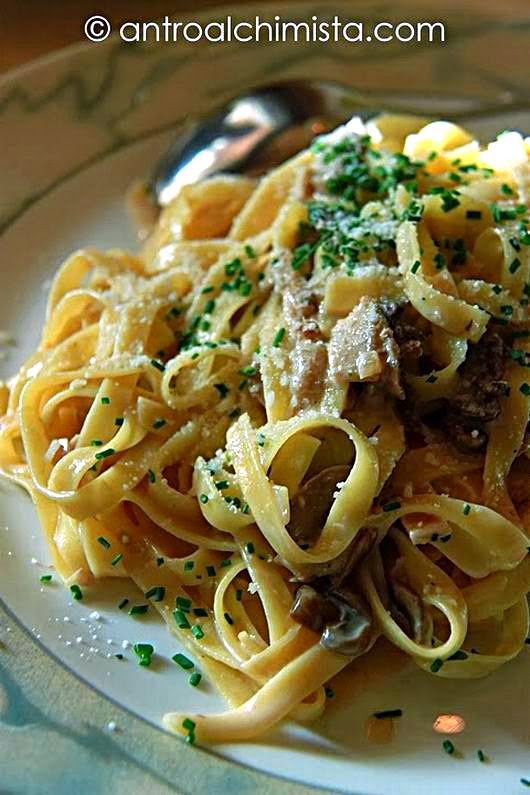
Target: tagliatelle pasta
<point x="298" y="420"/>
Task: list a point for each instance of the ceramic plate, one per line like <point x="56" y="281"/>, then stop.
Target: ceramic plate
<point x="76" y="129"/>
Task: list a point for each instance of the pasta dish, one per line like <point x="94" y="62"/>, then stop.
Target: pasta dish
<point x="298" y="421"/>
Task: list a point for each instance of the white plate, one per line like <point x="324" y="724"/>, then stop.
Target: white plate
<point x="76" y="130"/>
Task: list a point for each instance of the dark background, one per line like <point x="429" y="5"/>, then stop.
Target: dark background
<point x="31" y="28"/>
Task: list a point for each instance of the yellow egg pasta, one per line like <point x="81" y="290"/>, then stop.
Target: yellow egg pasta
<point x="298" y="420"/>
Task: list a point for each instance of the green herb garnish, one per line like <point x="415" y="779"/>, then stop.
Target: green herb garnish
<point x="76" y="592"/>
<point x="185" y="663"/>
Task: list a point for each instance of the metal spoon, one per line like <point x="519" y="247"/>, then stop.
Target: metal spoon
<point x="265" y="125"/>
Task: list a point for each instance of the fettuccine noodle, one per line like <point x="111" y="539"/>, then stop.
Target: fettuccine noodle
<point x="298" y="421"/>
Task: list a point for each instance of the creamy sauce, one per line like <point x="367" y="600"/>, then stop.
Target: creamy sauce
<point x="379" y="731"/>
<point x="369" y="672"/>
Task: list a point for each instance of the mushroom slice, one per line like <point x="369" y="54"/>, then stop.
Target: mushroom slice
<point x="312" y="503"/>
<point x="342" y="618"/>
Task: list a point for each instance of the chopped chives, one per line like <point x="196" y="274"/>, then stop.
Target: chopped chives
<point x="119" y="421"/>
<point x="203" y="498"/>
<point x="208" y="289"/>
<point x="195" y="679"/>
<point x="144" y="652"/>
<point x="119" y="656"/>
<point x="200" y="612"/>
<point x="123" y="603"/>
<point x="190" y="738"/>
<point x="436" y="665"/>
<point x="432" y="379"/>
<point x="188" y="565"/>
<point x="151" y="475"/>
<point x="96" y="443"/>
<point x="180" y="619"/>
<point x="210" y="571"/>
<point x="197" y="632"/>
<point x="280" y="334"/>
<point x="525" y="389"/>
<point x="103" y="541"/>
<point x="229" y="619"/>
<point x="105" y="401"/>
<point x="105" y="454"/>
<point x="209" y="306"/>
<point x="156" y="593"/>
<point x="184" y="662"/>
<point x="239" y="594"/>
<point x="248" y="370"/>
<point x="188" y="724"/>
<point x="160" y="561"/>
<point x="116" y="559"/>
<point x="138" y="610"/>
<point x="232" y="267"/>
<point x="222" y="389"/>
<point x="143" y="648"/>
<point x="205" y="325"/>
<point x="515" y="265"/>
<point x="46" y="578"/>
<point x="473" y="214"/>
<point x="76" y="592"/>
<point x="158" y="365"/>
<point x="225" y="563"/>
<point x="183" y="604"/>
<point x="525" y="782"/>
<point x="249" y="251"/>
<point x="439" y="261"/>
<point x="458" y="655"/>
<point x="222" y="484"/>
<point x="260" y="439"/>
<point x="415" y="266"/>
<point x="481" y="755"/>
<point x="388" y="713"/>
<point x="301" y="255"/>
<point x="249" y="548"/>
<point x="448" y="747"/>
<point x="391" y="506"/>
<point x="330" y="693"/>
<point x="159" y="424"/>
<point x="466" y="509"/>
